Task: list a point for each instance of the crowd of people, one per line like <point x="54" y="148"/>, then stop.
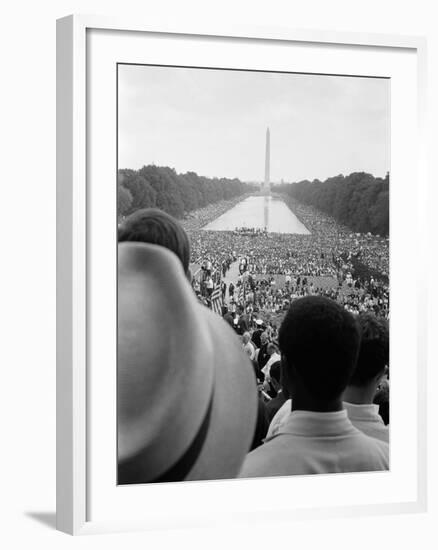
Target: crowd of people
<point x="275" y="269"/>
<point x="252" y="231"/>
<point x="205" y="397"/>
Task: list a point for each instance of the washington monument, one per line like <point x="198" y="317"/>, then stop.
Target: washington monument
<point x="267" y="182"/>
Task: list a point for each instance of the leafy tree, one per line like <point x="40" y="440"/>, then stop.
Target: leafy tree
<point x="177" y="194"/>
<point x="143" y="195"/>
<point x="359" y="201"/>
<point x="124" y="200"/>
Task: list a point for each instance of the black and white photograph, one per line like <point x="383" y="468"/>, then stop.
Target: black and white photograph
<point x="253" y="304"/>
<point x="219" y="273"/>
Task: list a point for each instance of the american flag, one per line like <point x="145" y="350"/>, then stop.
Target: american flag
<point x="241" y="295"/>
<point x="216" y="299"/>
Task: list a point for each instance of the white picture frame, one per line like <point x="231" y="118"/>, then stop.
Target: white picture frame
<point x="75" y="218"/>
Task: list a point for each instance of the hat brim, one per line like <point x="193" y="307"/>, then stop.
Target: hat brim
<point x="199" y="422"/>
<point x="234" y="407"/>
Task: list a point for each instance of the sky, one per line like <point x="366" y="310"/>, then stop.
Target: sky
<point x="213" y="122"/>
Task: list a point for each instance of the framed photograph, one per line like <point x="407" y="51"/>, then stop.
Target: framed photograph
<point x="240" y="252"/>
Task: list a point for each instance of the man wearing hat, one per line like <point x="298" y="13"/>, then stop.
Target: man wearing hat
<point x="178" y="416"/>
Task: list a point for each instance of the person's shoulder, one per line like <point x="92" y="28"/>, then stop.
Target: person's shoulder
<point x="383" y="446"/>
<point x="376" y="430"/>
<point x="381" y="449"/>
<point x="374" y="442"/>
<point x="372" y="447"/>
<point x="264" y="460"/>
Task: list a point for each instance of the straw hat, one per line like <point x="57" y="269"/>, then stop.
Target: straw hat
<point x="186" y="392"/>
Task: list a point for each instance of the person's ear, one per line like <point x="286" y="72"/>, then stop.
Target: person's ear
<point x="380" y="376"/>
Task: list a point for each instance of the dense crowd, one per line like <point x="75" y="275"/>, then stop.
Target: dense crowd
<point x="264" y="299"/>
<point x="198" y="400"/>
<point x="350" y="268"/>
<point x="252" y="231"/>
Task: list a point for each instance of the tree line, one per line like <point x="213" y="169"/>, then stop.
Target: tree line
<point x="360" y="201"/>
<point x="177" y="194"/>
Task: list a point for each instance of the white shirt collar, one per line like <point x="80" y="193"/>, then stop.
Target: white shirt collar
<point x="317" y="424"/>
<point x="368" y="411"/>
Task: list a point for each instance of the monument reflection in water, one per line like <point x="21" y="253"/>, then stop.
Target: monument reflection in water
<point x="259" y="212"/>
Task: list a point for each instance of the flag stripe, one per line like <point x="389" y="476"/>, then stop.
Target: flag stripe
<point x="216" y="300"/>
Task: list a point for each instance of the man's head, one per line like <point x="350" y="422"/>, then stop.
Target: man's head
<point x="263" y="338"/>
<point x="154" y="226"/>
<point x="246" y="337"/>
<point x="374" y="350"/>
<point x="319" y="342"/>
<point x="271" y="349"/>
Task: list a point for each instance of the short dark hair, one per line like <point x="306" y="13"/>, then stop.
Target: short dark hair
<point x="272" y="346"/>
<point x="154" y="226"/>
<point x="320" y="342"/>
<point x="374" y="349"/>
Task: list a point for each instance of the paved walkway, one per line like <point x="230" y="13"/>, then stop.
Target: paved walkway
<point x="231" y="276"/>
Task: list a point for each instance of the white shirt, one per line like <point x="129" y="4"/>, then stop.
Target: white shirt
<point x="280" y="416"/>
<point x="366" y="418"/>
<point x="249" y="350"/>
<point x="273" y="359"/>
<point x="316" y="443"/>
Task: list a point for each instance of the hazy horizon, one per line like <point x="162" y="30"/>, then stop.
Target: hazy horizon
<point x="213" y="122"/>
<point x="255" y="182"/>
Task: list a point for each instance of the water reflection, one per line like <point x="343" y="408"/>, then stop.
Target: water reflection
<point x="259" y="212"/>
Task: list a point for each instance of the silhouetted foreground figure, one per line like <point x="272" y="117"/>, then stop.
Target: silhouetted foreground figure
<point x="154" y="226"/>
<point x="319" y="342"/>
<point x="186" y="392"/>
